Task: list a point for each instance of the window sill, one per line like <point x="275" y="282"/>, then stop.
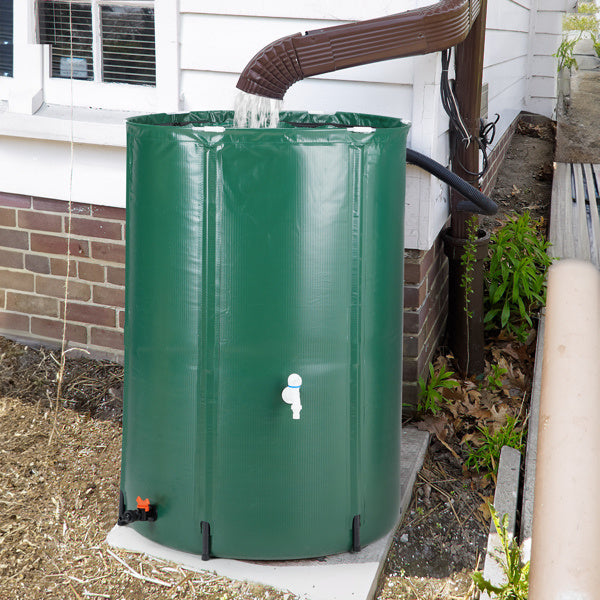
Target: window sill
<point x="53" y="122"/>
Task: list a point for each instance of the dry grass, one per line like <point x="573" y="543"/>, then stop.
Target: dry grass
<point x="59" y="483"/>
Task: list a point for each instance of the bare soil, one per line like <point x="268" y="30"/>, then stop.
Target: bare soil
<point x="578" y="137"/>
<point x="60" y="459"/>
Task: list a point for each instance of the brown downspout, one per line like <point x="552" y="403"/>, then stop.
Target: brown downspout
<point x="430" y="29"/>
<point x="465" y="319"/>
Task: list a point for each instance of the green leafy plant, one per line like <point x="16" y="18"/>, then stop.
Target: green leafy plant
<point x="587" y="8"/>
<point x="516" y="586"/>
<point x="430" y="397"/>
<point x="596" y="44"/>
<point x="495" y="377"/>
<point x="584" y="22"/>
<point x="564" y="53"/>
<point x="486" y="456"/>
<point x="515" y="284"/>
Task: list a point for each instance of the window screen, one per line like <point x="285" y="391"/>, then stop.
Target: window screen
<point x="128" y="45"/>
<point x="67" y="27"/>
<point x="101" y="42"/>
<point x="6" y="38"/>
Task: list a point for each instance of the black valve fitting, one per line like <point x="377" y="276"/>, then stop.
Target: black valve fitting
<point x="144" y="512"/>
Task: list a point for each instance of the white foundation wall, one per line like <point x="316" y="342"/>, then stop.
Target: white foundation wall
<point x="201" y="48"/>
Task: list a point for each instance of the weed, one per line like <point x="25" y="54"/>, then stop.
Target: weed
<point x="587" y="8"/>
<point x="516" y="586"/>
<point x="430" y="397"/>
<point x="584" y="22"/>
<point x="467" y="261"/>
<point x="564" y="53"/>
<point x="516" y="279"/>
<point x="486" y="456"/>
<point x="596" y="43"/>
<point x="495" y="378"/>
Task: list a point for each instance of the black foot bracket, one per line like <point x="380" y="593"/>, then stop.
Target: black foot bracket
<point x="356" y="533"/>
<point x="205" y="528"/>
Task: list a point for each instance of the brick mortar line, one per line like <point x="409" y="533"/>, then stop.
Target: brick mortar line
<point x="62" y="215"/>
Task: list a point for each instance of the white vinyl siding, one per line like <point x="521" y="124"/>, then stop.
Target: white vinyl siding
<point x="546" y="39"/>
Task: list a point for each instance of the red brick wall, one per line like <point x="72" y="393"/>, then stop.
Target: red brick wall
<point x="33" y="266"/>
<point x="425" y="311"/>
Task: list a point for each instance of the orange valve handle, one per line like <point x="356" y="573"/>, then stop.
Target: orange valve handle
<point x="143" y="504"/>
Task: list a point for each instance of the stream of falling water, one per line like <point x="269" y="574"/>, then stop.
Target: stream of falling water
<point x="256" y="111"/>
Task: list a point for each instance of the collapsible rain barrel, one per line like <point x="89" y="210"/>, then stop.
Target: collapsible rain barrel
<point x="254" y="254"/>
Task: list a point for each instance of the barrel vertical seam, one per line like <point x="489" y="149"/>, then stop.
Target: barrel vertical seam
<point x="201" y="467"/>
<point x="356" y="331"/>
<point x="208" y="335"/>
<point x="216" y="192"/>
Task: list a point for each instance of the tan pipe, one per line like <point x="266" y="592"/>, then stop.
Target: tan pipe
<point x="429" y="29"/>
<point x="566" y="515"/>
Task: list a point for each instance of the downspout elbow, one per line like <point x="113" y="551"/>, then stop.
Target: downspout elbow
<point x="272" y="70"/>
<point x="430" y="29"/>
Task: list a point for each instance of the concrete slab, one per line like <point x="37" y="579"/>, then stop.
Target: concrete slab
<point x="531" y="452"/>
<point x="505" y="503"/>
<point x="348" y="576"/>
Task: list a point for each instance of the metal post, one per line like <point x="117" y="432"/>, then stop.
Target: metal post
<point x="466" y="333"/>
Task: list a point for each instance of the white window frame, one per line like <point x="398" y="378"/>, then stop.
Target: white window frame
<point x="33" y="86"/>
<point x="117" y="96"/>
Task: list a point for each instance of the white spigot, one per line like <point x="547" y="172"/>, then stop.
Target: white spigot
<point x="291" y="394"/>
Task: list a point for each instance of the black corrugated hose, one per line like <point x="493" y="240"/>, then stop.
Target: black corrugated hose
<point x="476" y="201"/>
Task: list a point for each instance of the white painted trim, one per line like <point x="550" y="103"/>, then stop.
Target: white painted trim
<point x="53" y="123"/>
<point x="25" y="93"/>
<point x="96" y="42"/>
<point x="427" y="206"/>
<point x="168" y="58"/>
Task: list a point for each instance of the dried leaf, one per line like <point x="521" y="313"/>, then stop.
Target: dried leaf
<point x="474" y="396"/>
<point x="484" y="509"/>
<point x="481" y="413"/>
<point x="452" y="394"/>
<point x="437" y="426"/>
<point x="472" y="437"/>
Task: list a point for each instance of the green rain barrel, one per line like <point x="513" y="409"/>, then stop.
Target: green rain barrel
<point x="252" y="255"/>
